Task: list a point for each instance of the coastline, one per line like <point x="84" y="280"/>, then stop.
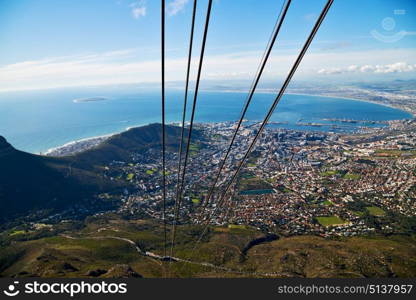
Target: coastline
<point x="320" y="95"/>
<point x="357" y="99"/>
<point x="56" y="151"/>
<point x="93" y="141"/>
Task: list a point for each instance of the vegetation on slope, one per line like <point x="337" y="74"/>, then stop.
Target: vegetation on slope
<point x="100" y="249"/>
<point x="35" y="183"/>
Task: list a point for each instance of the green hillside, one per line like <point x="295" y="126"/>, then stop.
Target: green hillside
<point x="137" y="139"/>
<point x="32" y="183"/>
<point x="101" y="245"/>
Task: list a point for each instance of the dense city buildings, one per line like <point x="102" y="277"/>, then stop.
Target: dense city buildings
<point x="295" y="182"/>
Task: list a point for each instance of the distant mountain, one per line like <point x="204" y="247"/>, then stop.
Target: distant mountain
<point x="31" y="182"/>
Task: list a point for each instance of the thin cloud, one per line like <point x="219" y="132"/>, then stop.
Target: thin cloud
<point x="128" y="66"/>
<point x="398" y="67"/>
<point x="336" y="45"/>
<point x="176" y="6"/>
<point x="310" y="17"/>
<point x="410" y="33"/>
<point x="138" y="9"/>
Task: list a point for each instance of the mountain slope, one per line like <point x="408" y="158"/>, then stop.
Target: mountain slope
<point x="31" y="182"/>
<point x="137" y="139"/>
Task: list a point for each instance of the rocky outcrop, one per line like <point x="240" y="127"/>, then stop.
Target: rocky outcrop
<point x="264" y="239"/>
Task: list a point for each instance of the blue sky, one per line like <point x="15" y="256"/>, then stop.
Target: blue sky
<point x="49" y="43"/>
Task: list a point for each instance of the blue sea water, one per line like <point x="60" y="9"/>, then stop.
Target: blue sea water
<point x="39" y="120"/>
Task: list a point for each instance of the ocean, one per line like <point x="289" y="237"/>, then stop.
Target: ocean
<point x="36" y="121"/>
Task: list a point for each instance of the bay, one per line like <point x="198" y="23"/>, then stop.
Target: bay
<point x="36" y="121"/>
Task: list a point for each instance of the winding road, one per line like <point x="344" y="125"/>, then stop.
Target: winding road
<point x="177" y="259"/>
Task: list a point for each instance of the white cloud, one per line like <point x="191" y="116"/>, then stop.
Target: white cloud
<point x="176" y="6"/>
<point x="410" y="33"/>
<point x="398" y="67"/>
<point x="395" y="68"/>
<point x="366" y="68"/>
<point x="139" y="12"/>
<point x="128" y="66"/>
<point x="330" y="71"/>
<point x="352" y="68"/>
<point x="138" y="9"/>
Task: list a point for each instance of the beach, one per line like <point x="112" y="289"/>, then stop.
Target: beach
<point x="77" y="146"/>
